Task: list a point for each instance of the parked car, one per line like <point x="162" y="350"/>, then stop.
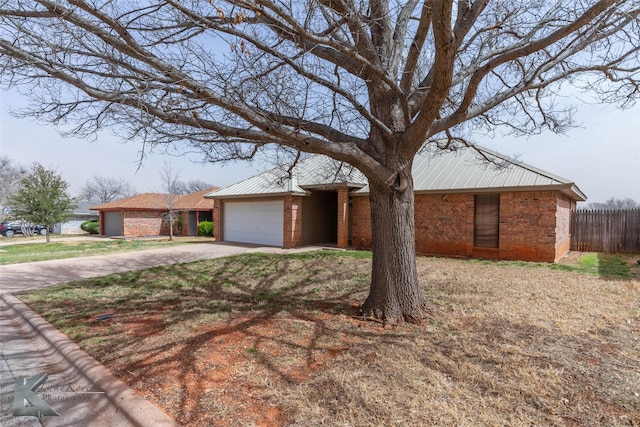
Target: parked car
<point x="11" y="228"/>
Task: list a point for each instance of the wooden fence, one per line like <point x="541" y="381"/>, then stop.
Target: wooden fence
<point x="612" y="231"/>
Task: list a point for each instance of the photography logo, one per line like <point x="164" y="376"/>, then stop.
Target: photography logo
<point x="25" y="401"/>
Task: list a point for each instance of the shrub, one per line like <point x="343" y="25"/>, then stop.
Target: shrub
<point x="91" y="227"/>
<point x="205" y="228"/>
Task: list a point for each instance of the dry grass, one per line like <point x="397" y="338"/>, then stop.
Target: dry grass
<point x="268" y="341"/>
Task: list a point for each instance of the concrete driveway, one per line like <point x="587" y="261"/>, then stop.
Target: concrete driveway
<point x="35" y="275"/>
<point x="78" y="388"/>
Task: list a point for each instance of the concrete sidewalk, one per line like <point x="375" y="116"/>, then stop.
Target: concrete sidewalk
<point x="78" y="388"/>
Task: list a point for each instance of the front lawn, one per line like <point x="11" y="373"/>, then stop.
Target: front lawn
<point x="273" y="340"/>
<point x="41" y="251"/>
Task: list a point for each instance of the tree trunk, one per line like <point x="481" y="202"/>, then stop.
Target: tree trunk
<point x="394" y="295"/>
<point x="170" y="225"/>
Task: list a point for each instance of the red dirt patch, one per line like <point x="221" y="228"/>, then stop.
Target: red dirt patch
<point x="234" y="364"/>
<point x="271" y="341"/>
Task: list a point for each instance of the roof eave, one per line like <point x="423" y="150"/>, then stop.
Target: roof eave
<point x="126" y="208"/>
<point x="259" y="195"/>
<point x="334" y="185"/>
<point x="578" y="195"/>
<point x="570" y="190"/>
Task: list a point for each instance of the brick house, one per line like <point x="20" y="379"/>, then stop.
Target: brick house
<point x="463" y="207"/>
<point x="146" y="214"/>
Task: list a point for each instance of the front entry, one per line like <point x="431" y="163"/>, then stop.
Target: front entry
<point x="320" y="218"/>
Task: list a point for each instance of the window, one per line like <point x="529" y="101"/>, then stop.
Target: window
<point x="486" y="233"/>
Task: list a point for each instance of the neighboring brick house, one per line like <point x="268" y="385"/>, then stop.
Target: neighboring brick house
<point x="463" y="207"/>
<point x="146" y="214"/>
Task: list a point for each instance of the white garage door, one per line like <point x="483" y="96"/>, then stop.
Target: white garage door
<point x="254" y="222"/>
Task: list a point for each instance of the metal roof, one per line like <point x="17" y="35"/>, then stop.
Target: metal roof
<point x="468" y="170"/>
<point x="463" y="170"/>
<point x="269" y="183"/>
<point x="316" y="171"/>
<point x="320" y="170"/>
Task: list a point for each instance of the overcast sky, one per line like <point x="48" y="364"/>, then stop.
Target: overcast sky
<point x="602" y="157"/>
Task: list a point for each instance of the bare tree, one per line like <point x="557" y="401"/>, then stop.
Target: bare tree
<point x="196" y="185"/>
<point x="615" y="203"/>
<point x="181" y="187"/>
<point x="368" y="83"/>
<point x="10" y="178"/>
<point x="192" y="186"/>
<point x="171" y="186"/>
<point x="104" y="189"/>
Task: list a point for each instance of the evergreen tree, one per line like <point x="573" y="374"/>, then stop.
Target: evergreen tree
<point x="43" y="198"/>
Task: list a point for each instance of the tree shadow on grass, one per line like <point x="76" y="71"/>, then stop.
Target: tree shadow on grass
<point x="193" y="337"/>
<point x="172" y="316"/>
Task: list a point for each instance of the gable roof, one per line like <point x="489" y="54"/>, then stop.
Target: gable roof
<point x="466" y="170"/>
<point x="315" y="171"/>
<point x="462" y="170"/>
<point x="195" y="201"/>
<point x="158" y="202"/>
<point x="143" y="201"/>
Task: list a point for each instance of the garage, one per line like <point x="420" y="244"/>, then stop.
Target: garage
<point x="259" y="222"/>
<point x="112" y="224"/>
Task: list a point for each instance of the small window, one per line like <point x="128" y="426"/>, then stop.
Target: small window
<point x="486" y="233"/>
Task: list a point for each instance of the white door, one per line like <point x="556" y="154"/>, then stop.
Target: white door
<point x="254" y="222"/>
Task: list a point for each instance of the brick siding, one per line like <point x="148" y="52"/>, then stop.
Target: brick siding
<point x="343" y="218"/>
<point x="534" y="226"/>
<point x="144" y="223"/>
<point x="184" y="219"/>
<point x="563" y="225"/>
<point x="360" y="222"/>
<point x="292" y="221"/>
<point x="154" y="223"/>
<point x="442" y="224"/>
<point x="217" y="219"/>
<point x="528" y="226"/>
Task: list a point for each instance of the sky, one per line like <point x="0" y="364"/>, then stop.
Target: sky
<point x="602" y="156"/>
<point x="77" y="160"/>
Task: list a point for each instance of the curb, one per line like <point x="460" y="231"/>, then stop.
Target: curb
<point x="137" y="409"/>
